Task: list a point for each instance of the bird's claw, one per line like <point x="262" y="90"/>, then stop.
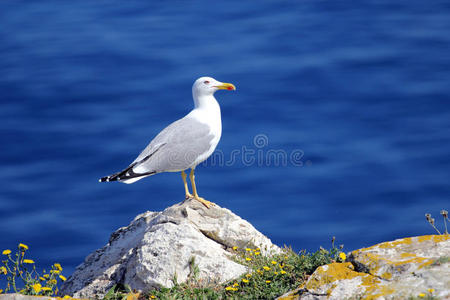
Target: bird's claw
<point x="206" y="203"/>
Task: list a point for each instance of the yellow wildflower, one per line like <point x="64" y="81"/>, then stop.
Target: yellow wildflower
<point x="1" y="291"/>
<point x="248" y="275"/>
<point x="55" y="271"/>
<point x="257" y="249"/>
<point x="248" y="259"/>
<point x="276" y="273"/>
<point x="259" y="271"/>
<point x="235" y="248"/>
<point x="42" y="278"/>
<point x="267" y="281"/>
<point x="3" y="270"/>
<point x="245" y="280"/>
<point x="229" y="288"/>
<point x="266" y="268"/>
<point x="23" y="246"/>
<point x="421" y="295"/>
<point x="430" y="291"/>
<point x="46" y="288"/>
<point x="28" y="261"/>
<point x="68" y="297"/>
<point x="53" y="281"/>
<point x="273" y="262"/>
<point x="257" y="253"/>
<point x="37" y="287"/>
<point x="46" y="275"/>
<point x="248" y="249"/>
<point x="235" y="284"/>
<point x="6" y="252"/>
<point x="283" y="272"/>
<point x="58" y="266"/>
<point x="62" y="278"/>
<point x="153" y="296"/>
<point x="342" y="256"/>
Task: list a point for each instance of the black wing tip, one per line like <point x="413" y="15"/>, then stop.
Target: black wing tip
<point x="124" y="175"/>
<point x="107" y="179"/>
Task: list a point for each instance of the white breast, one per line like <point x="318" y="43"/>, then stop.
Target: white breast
<point x="208" y="113"/>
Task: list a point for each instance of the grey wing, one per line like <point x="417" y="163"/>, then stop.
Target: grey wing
<point x="175" y="148"/>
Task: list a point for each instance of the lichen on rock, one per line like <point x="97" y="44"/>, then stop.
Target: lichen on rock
<point x="399" y="269"/>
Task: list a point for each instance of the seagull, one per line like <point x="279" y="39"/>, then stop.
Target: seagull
<point x="183" y="144"/>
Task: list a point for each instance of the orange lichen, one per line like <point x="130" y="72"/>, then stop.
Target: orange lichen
<point x="328" y="275"/>
<point x="382" y="263"/>
<point x="375" y="261"/>
<point x="424" y="238"/>
<point x="331" y="273"/>
<point x="386" y="275"/>
<point x="426" y="264"/>
<point x="291" y="296"/>
<point x="384" y="245"/>
<point x="441" y="238"/>
<point x="375" y="290"/>
<point x="410" y="261"/>
<point x="435" y="238"/>
<point x="405" y="241"/>
<point x="405" y="254"/>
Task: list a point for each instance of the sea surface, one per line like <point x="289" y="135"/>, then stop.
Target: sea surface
<point x="340" y="125"/>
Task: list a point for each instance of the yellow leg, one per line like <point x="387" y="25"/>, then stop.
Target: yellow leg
<point x="186" y="189"/>
<point x="194" y="190"/>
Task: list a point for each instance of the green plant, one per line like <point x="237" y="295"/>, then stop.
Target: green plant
<point x="22" y="276"/>
<point x="267" y="277"/>
<point x="120" y="292"/>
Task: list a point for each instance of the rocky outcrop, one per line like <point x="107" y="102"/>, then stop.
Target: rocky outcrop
<point x="27" y="297"/>
<point x="391" y="270"/>
<point x="158" y="247"/>
<point x="24" y="297"/>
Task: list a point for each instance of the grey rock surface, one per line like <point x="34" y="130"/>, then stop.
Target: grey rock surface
<point x="22" y="297"/>
<point x="26" y="297"/>
<point x="410" y="267"/>
<point x="158" y="245"/>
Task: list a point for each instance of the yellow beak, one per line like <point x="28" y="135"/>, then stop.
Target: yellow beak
<point x="226" y="86"/>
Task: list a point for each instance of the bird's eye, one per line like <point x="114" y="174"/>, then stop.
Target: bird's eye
<point x="206" y="82"/>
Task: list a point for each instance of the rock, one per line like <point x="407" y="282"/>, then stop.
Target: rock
<point x="157" y="246"/>
<point x="399" y="269"/>
<point x="26" y="297"/>
<point x="23" y="297"/>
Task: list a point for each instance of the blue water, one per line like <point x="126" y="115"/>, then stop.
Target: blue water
<point x="359" y="91"/>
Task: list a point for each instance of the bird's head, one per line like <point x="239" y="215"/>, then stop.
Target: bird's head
<point x="205" y="86"/>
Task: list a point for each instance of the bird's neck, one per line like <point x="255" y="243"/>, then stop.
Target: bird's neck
<point x="207" y="110"/>
<point x="206" y="102"/>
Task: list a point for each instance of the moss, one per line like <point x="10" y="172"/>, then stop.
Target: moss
<point x="441" y="260"/>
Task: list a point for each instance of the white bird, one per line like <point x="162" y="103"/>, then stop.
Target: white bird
<point x="183" y="144"/>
